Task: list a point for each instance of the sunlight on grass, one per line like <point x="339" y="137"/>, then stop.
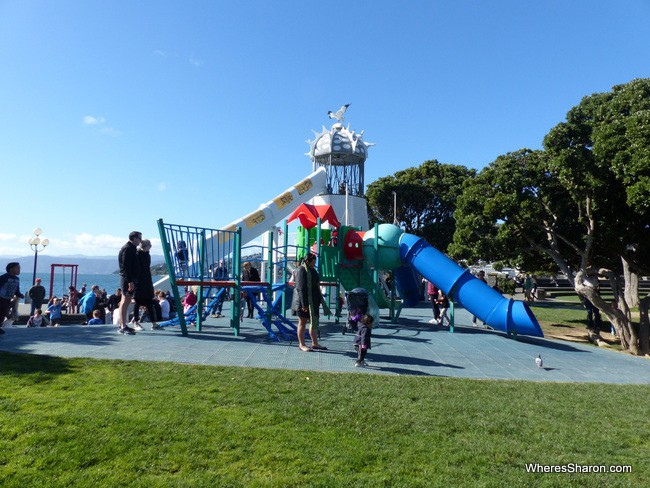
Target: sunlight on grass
<point x="83" y="422"/>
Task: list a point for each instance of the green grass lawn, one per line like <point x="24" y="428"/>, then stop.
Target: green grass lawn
<point x="84" y="422"/>
<point x="567" y="319"/>
<point x="560" y="314"/>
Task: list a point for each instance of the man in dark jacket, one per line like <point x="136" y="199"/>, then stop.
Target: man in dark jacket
<point x="9" y="291"/>
<point x="37" y="294"/>
<point x="129" y="273"/>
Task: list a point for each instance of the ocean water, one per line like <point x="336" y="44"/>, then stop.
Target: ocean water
<point x="61" y="283"/>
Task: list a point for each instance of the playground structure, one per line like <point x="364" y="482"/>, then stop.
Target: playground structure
<point x="348" y="256"/>
<point x="74" y="272"/>
<point x="354" y="260"/>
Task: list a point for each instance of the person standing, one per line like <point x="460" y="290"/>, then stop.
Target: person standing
<point x="307" y="299"/>
<point x="87" y="303"/>
<point x="528" y="288"/>
<point x="443" y="306"/>
<point x="594" y="320"/>
<point x="362" y="340"/>
<point x="36" y="294"/>
<point x="182" y="258"/>
<point x="220" y="273"/>
<point x="129" y="273"/>
<point x="432" y="292"/>
<point x="54" y="312"/>
<point x="73" y="300"/>
<point x="144" y="292"/>
<point x="250" y="274"/>
<point x="9" y="291"/>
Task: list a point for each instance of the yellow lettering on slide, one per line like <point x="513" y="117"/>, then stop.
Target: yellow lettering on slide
<point x="283" y="200"/>
<point x="251" y="220"/>
<point x="304" y="186"/>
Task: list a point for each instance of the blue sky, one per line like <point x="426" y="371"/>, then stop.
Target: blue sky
<point x="117" y="113"/>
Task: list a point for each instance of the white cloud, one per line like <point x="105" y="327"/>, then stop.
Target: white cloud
<point x="99" y="122"/>
<point x="110" y="131"/>
<point x="98" y="244"/>
<point x="84" y="244"/>
<point x="195" y="61"/>
<point x="160" y="53"/>
<point x="162" y="186"/>
<point x="93" y="120"/>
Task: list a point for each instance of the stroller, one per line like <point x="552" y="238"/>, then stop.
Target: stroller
<point x="358" y="303"/>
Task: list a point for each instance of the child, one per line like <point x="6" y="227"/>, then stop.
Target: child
<point x="362" y="340"/>
<point x="54" y="311"/>
<point x="96" y="320"/>
<point x="182" y="258"/>
<point x="37" y="320"/>
<point x="190" y="300"/>
<point x="443" y="305"/>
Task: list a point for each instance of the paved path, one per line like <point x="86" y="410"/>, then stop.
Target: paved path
<point x="411" y="347"/>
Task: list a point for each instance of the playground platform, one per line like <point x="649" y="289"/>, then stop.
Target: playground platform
<point x="412" y="347"/>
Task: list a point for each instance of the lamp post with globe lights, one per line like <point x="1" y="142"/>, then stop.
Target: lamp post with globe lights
<point x="34" y="242"/>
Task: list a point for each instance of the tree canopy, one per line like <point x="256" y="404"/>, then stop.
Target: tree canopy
<point x="582" y="203"/>
<point x="426" y="199"/>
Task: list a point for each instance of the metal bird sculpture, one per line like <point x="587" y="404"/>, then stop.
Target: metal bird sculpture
<point x="339" y="114"/>
<point x="538" y="361"/>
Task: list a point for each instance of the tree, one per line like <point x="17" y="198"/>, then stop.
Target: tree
<point x="426" y="200"/>
<point x="582" y="203"/>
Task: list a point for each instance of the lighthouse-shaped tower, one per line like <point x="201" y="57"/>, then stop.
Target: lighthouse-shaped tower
<point x="342" y="153"/>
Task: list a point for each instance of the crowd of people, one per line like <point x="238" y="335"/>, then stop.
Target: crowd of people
<point x="100" y="308"/>
<point x="135" y="293"/>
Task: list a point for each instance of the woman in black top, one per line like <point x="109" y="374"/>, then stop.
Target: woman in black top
<point x="144" y="295"/>
<point x="306" y="301"/>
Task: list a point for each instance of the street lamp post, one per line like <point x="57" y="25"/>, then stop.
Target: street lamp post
<point x="395" y="221"/>
<point x="34" y="242"/>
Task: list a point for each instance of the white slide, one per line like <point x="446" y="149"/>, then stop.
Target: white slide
<point x="270" y="213"/>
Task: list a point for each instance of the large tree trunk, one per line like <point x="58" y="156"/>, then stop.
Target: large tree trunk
<point x="631" y="285"/>
<point x="617" y="317"/>
<point x="644" y="326"/>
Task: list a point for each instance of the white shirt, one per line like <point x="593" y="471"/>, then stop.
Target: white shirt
<point x="164" y="307"/>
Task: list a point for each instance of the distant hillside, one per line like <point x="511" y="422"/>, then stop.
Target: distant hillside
<point x="87" y="264"/>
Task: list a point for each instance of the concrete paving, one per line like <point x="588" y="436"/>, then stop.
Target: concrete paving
<point x="412" y="347"/>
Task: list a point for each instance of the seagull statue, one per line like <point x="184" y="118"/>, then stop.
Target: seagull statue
<point x="339" y="114"/>
<point x="538" y="361"/>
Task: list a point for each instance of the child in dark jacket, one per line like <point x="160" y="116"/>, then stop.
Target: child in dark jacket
<point x="362" y="340"/>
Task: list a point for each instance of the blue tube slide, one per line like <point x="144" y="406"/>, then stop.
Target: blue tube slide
<point x="407" y="284"/>
<point x="462" y="287"/>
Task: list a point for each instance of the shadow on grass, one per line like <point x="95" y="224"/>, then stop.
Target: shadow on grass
<point x="18" y="364"/>
<point x="402" y="371"/>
